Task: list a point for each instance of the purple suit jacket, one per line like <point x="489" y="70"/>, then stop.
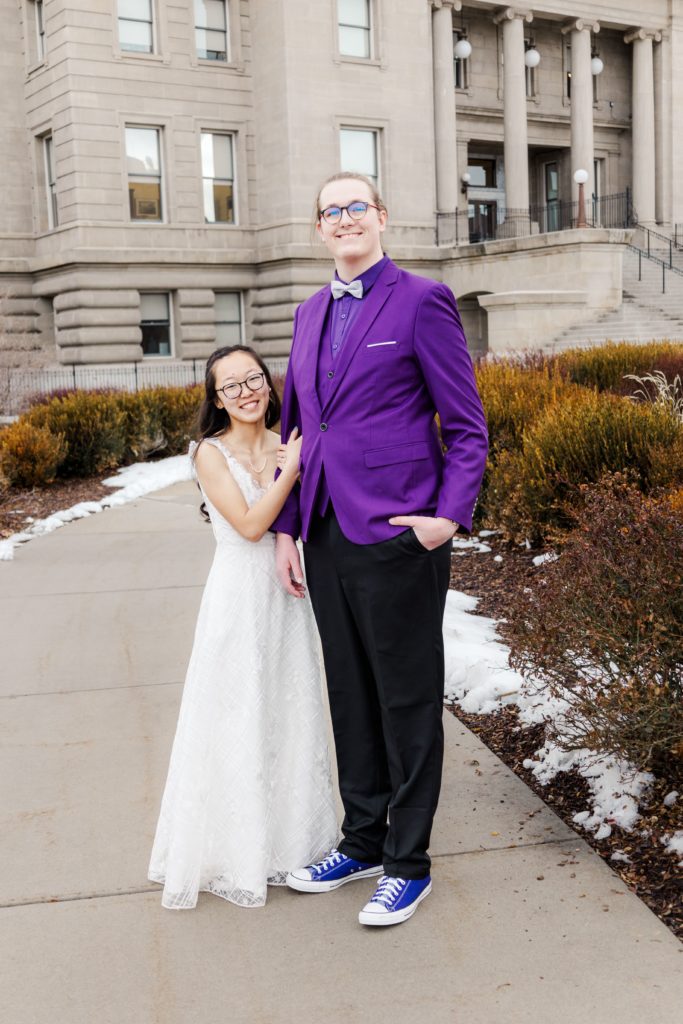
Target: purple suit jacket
<point x="404" y="360"/>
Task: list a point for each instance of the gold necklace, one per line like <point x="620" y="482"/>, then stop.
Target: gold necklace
<point x="253" y="467"/>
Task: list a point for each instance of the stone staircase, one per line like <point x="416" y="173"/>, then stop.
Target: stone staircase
<point x="646" y="314"/>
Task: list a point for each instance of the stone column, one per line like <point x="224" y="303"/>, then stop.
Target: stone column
<point x="582" y="148"/>
<point x="515" y="146"/>
<point x="643" y="122"/>
<point x="446" y="152"/>
<point x="663" y="131"/>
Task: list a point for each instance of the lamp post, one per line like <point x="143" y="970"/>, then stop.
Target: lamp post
<point x="581" y="177"/>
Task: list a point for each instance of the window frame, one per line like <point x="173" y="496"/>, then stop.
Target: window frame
<point x="377" y="131"/>
<point x="530" y="74"/>
<point x="50" y="171"/>
<point x="159" y="129"/>
<point x="228" y="39"/>
<point x="171" y="332"/>
<point x="232" y="135"/>
<point x="41" y="36"/>
<point x="370" y="35"/>
<point x="240" y="296"/>
<point x="154" y="33"/>
<point x="458" y="34"/>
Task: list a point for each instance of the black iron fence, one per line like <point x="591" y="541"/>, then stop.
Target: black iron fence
<point x="485" y="220"/>
<point x="19" y="387"/>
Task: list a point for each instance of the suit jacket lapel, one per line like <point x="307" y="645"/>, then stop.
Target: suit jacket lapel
<point x="372" y="305"/>
<point x="312" y="329"/>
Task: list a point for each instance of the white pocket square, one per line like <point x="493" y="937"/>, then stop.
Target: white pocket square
<point x="376" y="344"/>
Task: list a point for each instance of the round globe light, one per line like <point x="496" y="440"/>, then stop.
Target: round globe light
<point x="532" y="58"/>
<point x="580" y="176"/>
<point x="466" y="178"/>
<point x="463" y="48"/>
<point x="597" y="66"/>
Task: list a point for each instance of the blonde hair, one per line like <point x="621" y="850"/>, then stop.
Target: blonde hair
<point x="348" y="176"/>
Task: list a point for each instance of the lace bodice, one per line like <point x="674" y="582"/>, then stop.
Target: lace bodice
<point x="249" y="487"/>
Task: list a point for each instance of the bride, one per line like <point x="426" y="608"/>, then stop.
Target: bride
<point x="248" y="795"/>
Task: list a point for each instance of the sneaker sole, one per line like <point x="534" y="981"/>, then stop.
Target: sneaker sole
<point x="302" y="885"/>
<point x="396" y="916"/>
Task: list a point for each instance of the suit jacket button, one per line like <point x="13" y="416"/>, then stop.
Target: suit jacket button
<point x="323" y="426"/>
<point x="330" y="374"/>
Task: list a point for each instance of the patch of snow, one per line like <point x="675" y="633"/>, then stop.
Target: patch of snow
<point x="671" y="798"/>
<point x="497" y="558"/>
<point x="131" y="482"/>
<point x="619" y="855"/>
<point x="548" y="556"/>
<point x="674" y="844"/>
<point x="469" y="545"/>
<point x="488" y="533"/>
<point x="480" y="680"/>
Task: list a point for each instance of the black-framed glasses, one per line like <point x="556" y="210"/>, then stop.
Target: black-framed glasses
<point x="254" y="382"/>
<point x="356" y="211"/>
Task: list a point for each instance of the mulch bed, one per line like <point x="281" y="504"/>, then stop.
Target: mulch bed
<point x="16" y="505"/>
<point x="653" y="873"/>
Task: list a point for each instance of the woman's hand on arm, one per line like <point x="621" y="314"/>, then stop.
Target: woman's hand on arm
<point x="224" y="494"/>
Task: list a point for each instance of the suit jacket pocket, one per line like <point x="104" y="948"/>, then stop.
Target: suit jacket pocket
<point x="397" y="453"/>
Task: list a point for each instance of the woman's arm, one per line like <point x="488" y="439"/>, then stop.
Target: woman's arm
<point x="222" y="491"/>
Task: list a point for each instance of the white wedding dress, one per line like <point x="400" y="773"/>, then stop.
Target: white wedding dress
<point x="249" y="791"/>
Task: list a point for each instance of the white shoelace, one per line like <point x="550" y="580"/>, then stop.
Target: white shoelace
<point x="388" y="890"/>
<point x="331" y="861"/>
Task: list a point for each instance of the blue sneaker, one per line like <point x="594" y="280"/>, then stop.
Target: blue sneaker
<point x="330" y="873"/>
<point x="395" y="900"/>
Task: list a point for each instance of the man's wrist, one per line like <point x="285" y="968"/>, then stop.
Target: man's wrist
<point x="452" y="522"/>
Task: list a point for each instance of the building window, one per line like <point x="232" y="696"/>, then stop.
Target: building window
<point x="136" y="29"/>
<point x="482" y="172"/>
<point x="144" y="173"/>
<point x="461" y="65"/>
<point x="567" y="61"/>
<point x="529" y="73"/>
<point x="211" y="29"/>
<point x="50" y="182"/>
<point x="354" y="28"/>
<point x="358" y="148"/>
<point x="41" y="46"/>
<point x="218" y="178"/>
<point x="228" y="318"/>
<point x="155" y="323"/>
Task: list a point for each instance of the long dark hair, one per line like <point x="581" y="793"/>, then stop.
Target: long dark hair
<point x="214" y="419"/>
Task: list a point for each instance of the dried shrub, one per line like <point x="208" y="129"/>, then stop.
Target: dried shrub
<point x="605" y="366"/>
<point x="92" y="426"/>
<point x="532" y="491"/>
<point x="603" y="629"/>
<point x="514" y="395"/>
<point x="142" y="424"/>
<point x="178" y="408"/>
<point x="30" y="455"/>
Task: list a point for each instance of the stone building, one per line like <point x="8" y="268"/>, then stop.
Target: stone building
<point x="159" y="161"/>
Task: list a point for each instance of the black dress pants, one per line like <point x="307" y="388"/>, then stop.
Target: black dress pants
<point x="379" y="609"/>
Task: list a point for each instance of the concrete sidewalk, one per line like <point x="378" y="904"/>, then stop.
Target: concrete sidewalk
<point x="526" y="922"/>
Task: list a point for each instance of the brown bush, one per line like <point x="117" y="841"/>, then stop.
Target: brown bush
<point x="30" y="455"/>
<point x="604" y="367"/>
<point x="603" y="629"/>
<point x="92" y="426"/>
<point x="532" y="491"/>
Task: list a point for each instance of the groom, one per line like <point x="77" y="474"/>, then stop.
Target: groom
<point x="374" y="357"/>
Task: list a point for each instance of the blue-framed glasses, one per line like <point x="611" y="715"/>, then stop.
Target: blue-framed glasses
<point x="356" y="211"/>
